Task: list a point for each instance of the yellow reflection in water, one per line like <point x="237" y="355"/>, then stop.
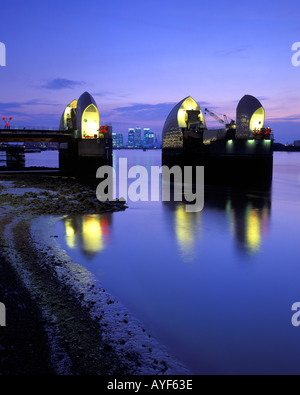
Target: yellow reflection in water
<point x="70" y="234"/>
<point x="92" y="234"/>
<point x="186" y="231"/>
<point x="88" y="232"/>
<point x="253" y="231"/>
<point x="248" y="224"/>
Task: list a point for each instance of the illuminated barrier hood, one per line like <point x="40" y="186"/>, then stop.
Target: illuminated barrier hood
<point x="68" y="118"/>
<point x="82" y="116"/>
<point x="186" y="115"/>
<point x="250" y="117"/>
<point x="88" y="119"/>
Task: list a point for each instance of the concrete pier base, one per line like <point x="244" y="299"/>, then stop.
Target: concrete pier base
<point x="82" y="158"/>
<point x="226" y="163"/>
<point x="15" y="158"/>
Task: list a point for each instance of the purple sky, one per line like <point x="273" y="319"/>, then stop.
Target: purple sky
<point x="138" y="59"/>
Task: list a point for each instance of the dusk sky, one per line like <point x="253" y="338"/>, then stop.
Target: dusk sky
<point x="138" y="59"/>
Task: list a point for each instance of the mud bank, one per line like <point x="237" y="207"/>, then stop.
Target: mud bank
<point x="60" y="320"/>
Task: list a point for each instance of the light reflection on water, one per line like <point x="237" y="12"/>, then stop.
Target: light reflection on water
<point x="89" y="233"/>
<point x="249" y="222"/>
<point x="187" y="228"/>
<point x="216" y="286"/>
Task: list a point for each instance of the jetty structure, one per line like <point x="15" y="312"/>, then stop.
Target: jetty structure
<point x="239" y="150"/>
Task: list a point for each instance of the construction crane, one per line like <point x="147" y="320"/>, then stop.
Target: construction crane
<point x="224" y="121"/>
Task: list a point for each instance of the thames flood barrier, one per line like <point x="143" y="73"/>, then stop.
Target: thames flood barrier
<point x="239" y="153"/>
<point x="91" y="144"/>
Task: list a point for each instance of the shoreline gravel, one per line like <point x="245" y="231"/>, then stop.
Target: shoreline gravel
<point x="60" y="321"/>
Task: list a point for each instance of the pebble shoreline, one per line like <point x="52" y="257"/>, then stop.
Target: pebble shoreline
<point x="69" y="324"/>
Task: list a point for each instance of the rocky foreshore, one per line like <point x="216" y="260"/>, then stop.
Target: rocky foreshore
<point x="60" y="321"/>
<point x="54" y="195"/>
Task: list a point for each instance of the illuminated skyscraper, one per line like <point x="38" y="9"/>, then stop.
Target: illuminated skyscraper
<point x="138" y="138"/>
<point x="117" y="140"/>
<point x="114" y="139"/>
<point x="148" y="138"/>
<point x="131" y="138"/>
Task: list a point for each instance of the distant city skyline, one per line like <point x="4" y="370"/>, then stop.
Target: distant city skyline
<point x="136" y="138"/>
<point x="138" y="64"/>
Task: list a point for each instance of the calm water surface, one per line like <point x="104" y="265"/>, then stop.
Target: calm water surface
<point x="44" y="158"/>
<point x="216" y="287"/>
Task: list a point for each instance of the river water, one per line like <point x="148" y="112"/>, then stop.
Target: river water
<point x="216" y="287"/>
